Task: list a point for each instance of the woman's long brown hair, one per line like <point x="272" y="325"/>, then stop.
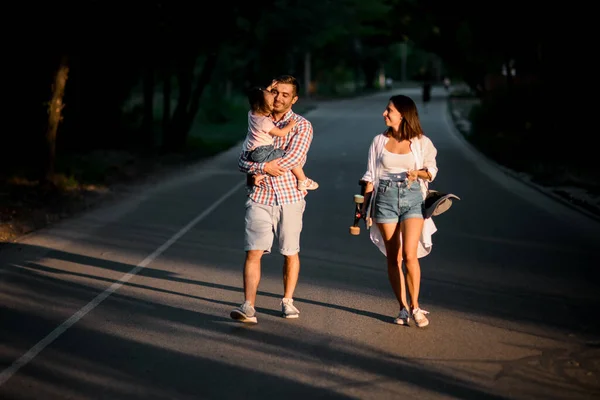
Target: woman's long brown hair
<point x="410" y="126"/>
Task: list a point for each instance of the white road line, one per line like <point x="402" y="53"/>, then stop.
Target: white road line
<point x="42" y="344"/>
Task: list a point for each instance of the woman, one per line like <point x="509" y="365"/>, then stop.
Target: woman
<point x="401" y="163"/>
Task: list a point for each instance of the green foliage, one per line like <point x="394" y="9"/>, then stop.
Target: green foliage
<point x="219" y="110"/>
<point x="348" y="40"/>
<point x="96" y="166"/>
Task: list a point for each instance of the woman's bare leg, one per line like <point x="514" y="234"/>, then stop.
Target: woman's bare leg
<point x="411" y="233"/>
<point x="391" y="239"/>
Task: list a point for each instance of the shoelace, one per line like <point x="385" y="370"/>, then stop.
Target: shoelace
<point x="419" y="310"/>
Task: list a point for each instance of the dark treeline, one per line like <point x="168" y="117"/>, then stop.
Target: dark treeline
<point x="198" y="58"/>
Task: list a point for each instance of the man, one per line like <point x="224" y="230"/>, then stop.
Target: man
<point x="275" y="206"/>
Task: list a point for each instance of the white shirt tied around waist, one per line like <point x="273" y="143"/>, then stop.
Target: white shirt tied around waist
<point x="424" y="153"/>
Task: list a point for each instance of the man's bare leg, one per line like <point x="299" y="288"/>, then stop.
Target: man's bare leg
<point x="252" y="275"/>
<point x="291" y="270"/>
<point x="246" y="312"/>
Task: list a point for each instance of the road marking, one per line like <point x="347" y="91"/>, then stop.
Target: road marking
<point x="42" y="344"/>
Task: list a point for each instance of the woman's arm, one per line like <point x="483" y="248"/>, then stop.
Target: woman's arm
<point x="422" y="173"/>
<point x="368" y="194"/>
<point x="429" y="160"/>
<point x="369" y="175"/>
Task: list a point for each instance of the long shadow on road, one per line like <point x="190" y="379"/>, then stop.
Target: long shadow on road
<point x="118" y="366"/>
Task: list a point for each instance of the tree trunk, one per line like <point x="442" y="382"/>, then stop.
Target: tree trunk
<point x="509" y="75"/>
<point x="55" y="107"/>
<point x="147" y="132"/>
<point x="185" y="76"/>
<point x="370" y="72"/>
<point x="307" y="74"/>
<point x="166" y="117"/>
<point x="189" y="101"/>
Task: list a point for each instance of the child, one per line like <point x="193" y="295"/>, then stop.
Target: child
<point x="259" y="142"/>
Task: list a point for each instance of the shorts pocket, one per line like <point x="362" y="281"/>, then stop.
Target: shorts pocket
<point x="382" y="188"/>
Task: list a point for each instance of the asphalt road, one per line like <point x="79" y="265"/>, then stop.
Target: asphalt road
<point x="132" y="300"/>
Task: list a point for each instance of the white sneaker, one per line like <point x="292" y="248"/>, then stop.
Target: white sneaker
<point x="420" y="318"/>
<point x="244" y="313"/>
<point x="307" y="184"/>
<point x="288" y="310"/>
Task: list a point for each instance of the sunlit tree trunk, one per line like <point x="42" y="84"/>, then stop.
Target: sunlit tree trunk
<point x="55" y="107"/>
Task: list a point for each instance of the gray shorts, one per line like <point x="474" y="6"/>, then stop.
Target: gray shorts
<point x="264" y="223"/>
<point x="396" y="202"/>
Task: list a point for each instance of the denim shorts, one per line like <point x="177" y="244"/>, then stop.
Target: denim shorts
<point x="396" y="202"/>
<point x="264" y="153"/>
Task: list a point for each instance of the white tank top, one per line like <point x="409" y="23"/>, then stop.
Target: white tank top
<point x="393" y="163"/>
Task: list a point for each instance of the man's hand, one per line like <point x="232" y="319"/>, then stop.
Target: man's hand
<point x="257" y="179"/>
<point x="273" y="168"/>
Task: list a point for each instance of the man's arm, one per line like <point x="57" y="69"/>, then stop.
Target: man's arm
<point x="296" y="152"/>
<point x="253" y="168"/>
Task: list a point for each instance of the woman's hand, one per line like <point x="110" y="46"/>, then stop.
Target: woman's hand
<point x="411" y="176"/>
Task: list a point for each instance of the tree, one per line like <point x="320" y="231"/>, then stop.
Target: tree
<point x="55" y="107"/>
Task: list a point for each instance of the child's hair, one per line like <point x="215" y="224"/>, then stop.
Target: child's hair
<point x="256" y="98"/>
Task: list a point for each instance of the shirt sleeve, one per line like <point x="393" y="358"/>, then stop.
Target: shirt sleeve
<point x="249" y="167"/>
<point x="370" y="173"/>
<point x="429" y="158"/>
<point x="296" y="152"/>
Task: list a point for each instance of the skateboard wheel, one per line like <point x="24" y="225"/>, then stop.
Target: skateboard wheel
<point x="354" y="230"/>
<point x="359" y="199"/>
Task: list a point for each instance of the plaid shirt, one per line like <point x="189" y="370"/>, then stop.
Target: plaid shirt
<point x="283" y="189"/>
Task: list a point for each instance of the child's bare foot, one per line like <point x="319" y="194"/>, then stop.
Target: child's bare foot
<point x="307" y="184"/>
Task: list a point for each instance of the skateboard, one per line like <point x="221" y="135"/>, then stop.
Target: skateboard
<point x="359" y="199"/>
